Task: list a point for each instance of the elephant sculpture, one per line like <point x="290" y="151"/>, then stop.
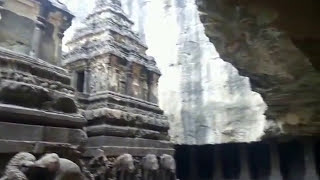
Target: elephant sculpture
<point x="123" y="167"/>
<point x="167" y="167"/>
<point x="17" y="167"/>
<point x="150" y="166"/>
<point x="63" y="169"/>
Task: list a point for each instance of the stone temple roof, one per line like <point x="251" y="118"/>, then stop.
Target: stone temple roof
<point x="60" y="5"/>
<point x="108" y="30"/>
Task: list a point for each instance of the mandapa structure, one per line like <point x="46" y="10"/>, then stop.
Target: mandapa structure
<point x="116" y="87"/>
<point x="38" y="111"/>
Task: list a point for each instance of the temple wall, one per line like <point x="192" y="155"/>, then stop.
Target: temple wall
<point x="26" y="8"/>
<point x="47" y="45"/>
<point x="16" y="32"/>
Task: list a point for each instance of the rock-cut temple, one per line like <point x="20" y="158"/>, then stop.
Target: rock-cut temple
<point x="95" y="105"/>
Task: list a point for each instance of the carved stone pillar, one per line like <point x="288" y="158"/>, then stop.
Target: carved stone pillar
<point x="217" y="171"/>
<point x="86" y="84"/>
<point x="59" y="47"/>
<point x="149" y="83"/>
<point x="275" y="172"/>
<point x="152" y="88"/>
<point x="309" y="161"/>
<point x="129" y="72"/>
<point x="37" y="33"/>
<point x="244" y="163"/>
<point x="63" y="27"/>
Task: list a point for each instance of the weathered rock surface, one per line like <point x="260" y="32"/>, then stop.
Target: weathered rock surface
<point x="206" y="98"/>
<point x="278" y="55"/>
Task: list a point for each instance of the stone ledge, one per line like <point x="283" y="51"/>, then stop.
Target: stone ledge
<point x="118" y="131"/>
<point x="23" y="132"/>
<point x="7" y="146"/>
<point x="37" y="66"/>
<point x="33" y="116"/>
<point x="122" y="118"/>
<point x="126" y="142"/>
<point x="109" y="96"/>
<point x="134" y="151"/>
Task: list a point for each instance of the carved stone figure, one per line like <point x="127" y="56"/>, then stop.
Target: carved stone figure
<point x="18" y="165"/>
<point x="100" y="167"/>
<point x="167" y="167"/>
<point x="123" y="167"/>
<point x="86" y="173"/>
<point x="63" y="168"/>
<point x="150" y="166"/>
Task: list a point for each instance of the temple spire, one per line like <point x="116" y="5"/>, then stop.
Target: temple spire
<point x="102" y="3"/>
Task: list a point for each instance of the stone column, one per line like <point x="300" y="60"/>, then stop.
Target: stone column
<point x="244" y="163"/>
<point x="63" y="27"/>
<point x="59" y="48"/>
<point x="275" y="172"/>
<point x="149" y="82"/>
<point x="193" y="166"/>
<point x="86" y="84"/>
<point x="217" y="171"/>
<point x="37" y="33"/>
<point x="129" y="72"/>
<point x="152" y="87"/>
<point x="74" y="80"/>
<point x="309" y="161"/>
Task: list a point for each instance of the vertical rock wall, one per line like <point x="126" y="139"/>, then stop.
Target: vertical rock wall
<point x="205" y="98"/>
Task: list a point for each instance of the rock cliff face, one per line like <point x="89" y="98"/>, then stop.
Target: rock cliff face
<point x="205" y="98"/>
<point x="278" y="54"/>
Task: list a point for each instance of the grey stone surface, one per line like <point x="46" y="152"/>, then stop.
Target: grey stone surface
<point x="35" y="133"/>
<point x="38" y="112"/>
<point x="33" y="116"/>
<point x="272" y="52"/>
<point x="134" y="151"/>
<point x="129" y="142"/>
<point x="125" y="131"/>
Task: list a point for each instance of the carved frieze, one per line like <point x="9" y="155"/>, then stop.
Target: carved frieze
<point x="128" y="167"/>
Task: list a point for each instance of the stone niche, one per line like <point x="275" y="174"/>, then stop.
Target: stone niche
<point x="17" y="24"/>
<point x="112" y="73"/>
<point x="33" y="28"/>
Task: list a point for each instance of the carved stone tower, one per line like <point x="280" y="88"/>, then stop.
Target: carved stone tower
<point x="117" y="85"/>
<point x="37" y="106"/>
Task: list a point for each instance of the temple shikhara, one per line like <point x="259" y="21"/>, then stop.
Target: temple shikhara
<point x="117" y="84"/>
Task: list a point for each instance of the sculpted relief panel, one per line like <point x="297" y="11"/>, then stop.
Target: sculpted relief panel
<point x="100" y="70"/>
<point x="107" y="73"/>
<point x="117" y="76"/>
<point x="136" y="81"/>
